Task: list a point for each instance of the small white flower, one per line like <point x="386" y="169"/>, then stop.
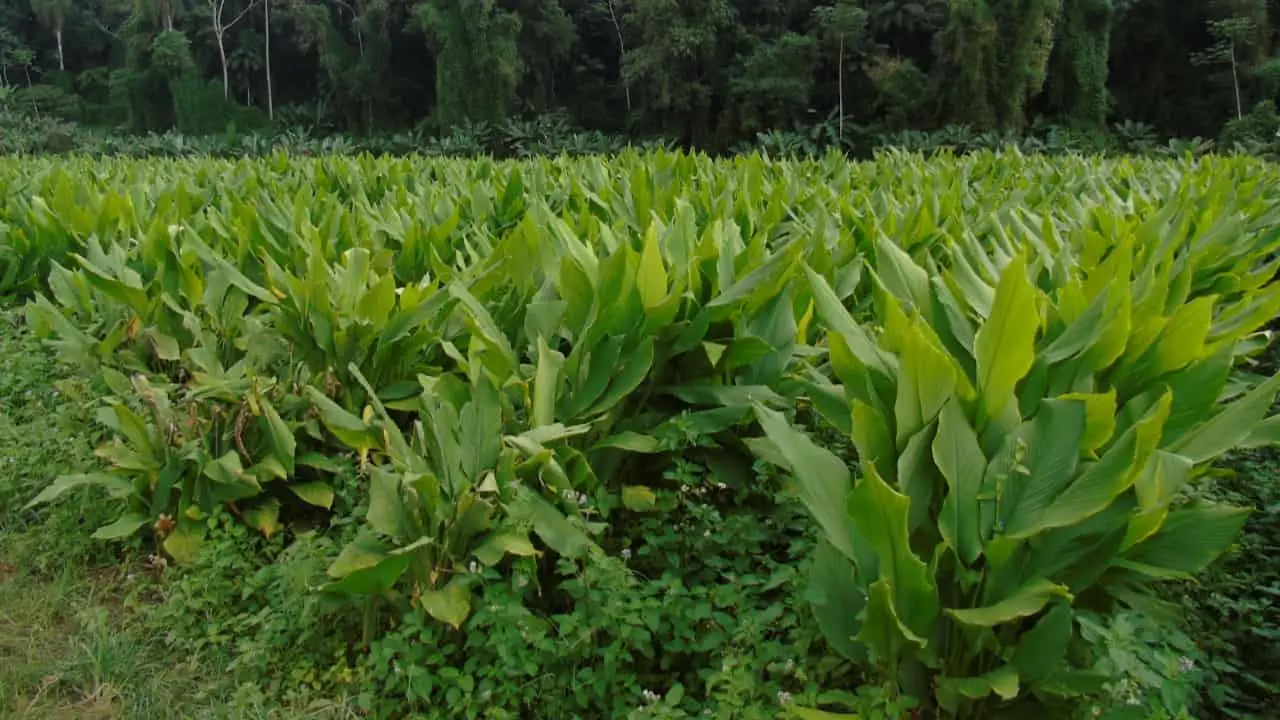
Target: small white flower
<point x="651" y="697"/>
<point x="582" y="499"/>
<point x="1133" y="700"/>
<point x="1186" y="664"/>
<point x="626" y="553"/>
<point x="784" y="698"/>
<point x="790" y="667"/>
<point x="721" y="486"/>
<point x="474" y="567"/>
<point x="706" y="533"/>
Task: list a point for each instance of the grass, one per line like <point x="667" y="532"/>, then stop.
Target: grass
<point x="78" y="638"/>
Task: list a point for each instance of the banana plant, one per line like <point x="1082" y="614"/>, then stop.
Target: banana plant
<point x="1020" y="455"/>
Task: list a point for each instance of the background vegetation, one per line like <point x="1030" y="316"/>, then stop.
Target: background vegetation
<point x="794" y="75"/>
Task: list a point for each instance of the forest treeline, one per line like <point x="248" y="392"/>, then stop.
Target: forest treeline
<point x="707" y="73"/>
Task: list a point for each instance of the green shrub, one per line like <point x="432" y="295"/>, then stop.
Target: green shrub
<point x="45" y="101"/>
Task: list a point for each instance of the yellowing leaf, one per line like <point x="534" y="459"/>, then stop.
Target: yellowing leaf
<point x="651" y="277"/>
<point x="638" y="498"/>
<point x="498" y="545"/>
<point x="184" y="543"/>
<point x="1006" y="341"/>
<point x="316" y="493"/>
<point x="264" y="517"/>
<point x="1099" y="418"/>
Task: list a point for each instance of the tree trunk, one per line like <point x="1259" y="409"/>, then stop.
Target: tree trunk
<point x="840" y="92"/>
<point x="1235" y="81"/>
<point x="622" y="51"/>
<point x="222" y="55"/>
<point x="266" y="15"/>
<point x="62" y="65"/>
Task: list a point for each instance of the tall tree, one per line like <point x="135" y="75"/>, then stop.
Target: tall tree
<point x="1238" y="31"/>
<point x="547" y="35"/>
<point x="1080" y="64"/>
<point x="995" y="58"/>
<point x="52" y="14"/>
<point x="478" y="64"/>
<point x="842" y="26"/>
<point x="266" y="53"/>
<point x="678" y="62"/>
<point x="220" y="23"/>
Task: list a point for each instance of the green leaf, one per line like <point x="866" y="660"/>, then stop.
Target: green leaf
<point x="388" y="514"/>
<point x="500" y="544"/>
<point x="812" y="714"/>
<point x="375" y="579"/>
<point x="841" y="323"/>
<point x="651" y="277"/>
<point x="1104" y="481"/>
<point x="550" y="524"/>
<point x="1053" y="440"/>
<point x="638" y="498"/>
<point x="1041" y="650"/>
<point x="726" y="395"/>
<point x="900" y="274"/>
<point x="927" y="380"/>
<point x="165" y="346"/>
<point x="635" y="368"/>
<point x="1191" y="538"/>
<point x="1265" y="434"/>
<point x="1183" y="339"/>
<point x="451" y="605"/>
<point x="546" y="384"/>
<point x="1229" y="428"/>
<point x="883" y="631"/>
<point x="1099" y="418"/>
<point x="838" y="600"/>
<point x="362" y="553"/>
<point x="351" y="430"/>
<point x="365" y="567"/>
<point x="377" y="303"/>
<point x="319" y="494"/>
<point x="1006" y="341"/>
<point x="872" y="437"/>
<point x="959" y="457"/>
<point x="880" y="515"/>
<point x="282" y="440"/>
<point x="115" y="485"/>
<point x="1079" y="336"/>
<point x="124" y="526"/>
<point x="1003" y="681"/>
<point x="631" y="441"/>
<point x="1025" y="601"/>
<point x="824" y="480"/>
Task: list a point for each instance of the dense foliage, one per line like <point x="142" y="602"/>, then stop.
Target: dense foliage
<point x="712" y="73"/>
<point x="660" y="435"/>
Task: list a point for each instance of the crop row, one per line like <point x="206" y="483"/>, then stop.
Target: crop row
<point x="1032" y="359"/>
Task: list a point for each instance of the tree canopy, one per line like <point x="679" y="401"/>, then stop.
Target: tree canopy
<point x="702" y="72"/>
